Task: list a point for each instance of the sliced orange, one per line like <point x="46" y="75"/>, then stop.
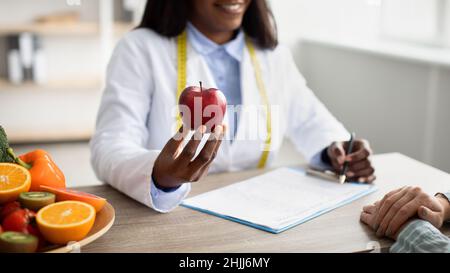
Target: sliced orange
<point x="66" y="221"/>
<point x="14" y="179"/>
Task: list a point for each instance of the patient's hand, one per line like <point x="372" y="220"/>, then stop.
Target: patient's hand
<point x="390" y="214"/>
<point x="369" y="214"/>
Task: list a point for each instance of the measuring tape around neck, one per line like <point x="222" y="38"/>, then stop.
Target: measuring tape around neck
<point x="181" y="68"/>
<point x="182" y="79"/>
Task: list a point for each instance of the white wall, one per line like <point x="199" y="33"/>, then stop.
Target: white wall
<point x="409" y="20"/>
<point x="398" y="105"/>
<point x="447" y="23"/>
<point x="441" y="138"/>
<point x="413" y="20"/>
<point x="296" y="18"/>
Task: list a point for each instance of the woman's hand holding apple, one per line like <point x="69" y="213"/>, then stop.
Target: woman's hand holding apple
<point x="202" y="111"/>
<point x="174" y="165"/>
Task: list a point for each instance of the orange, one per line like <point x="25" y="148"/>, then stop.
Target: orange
<point x="66" y="194"/>
<point x="14" y="179"/>
<point x="66" y="221"/>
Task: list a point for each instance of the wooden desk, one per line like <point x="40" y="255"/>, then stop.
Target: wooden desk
<point x="139" y="229"/>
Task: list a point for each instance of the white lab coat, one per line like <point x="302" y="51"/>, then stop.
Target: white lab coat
<point x="137" y="114"/>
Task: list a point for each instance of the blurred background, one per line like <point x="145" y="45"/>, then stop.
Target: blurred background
<point x="381" y="66"/>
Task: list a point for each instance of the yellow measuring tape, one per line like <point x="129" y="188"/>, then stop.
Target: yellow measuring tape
<point x="263" y="94"/>
<point x="181" y="84"/>
<point x="181" y="67"/>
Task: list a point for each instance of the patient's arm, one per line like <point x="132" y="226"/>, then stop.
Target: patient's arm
<point x="420" y="236"/>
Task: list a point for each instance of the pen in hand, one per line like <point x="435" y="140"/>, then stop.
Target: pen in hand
<point x="342" y="176"/>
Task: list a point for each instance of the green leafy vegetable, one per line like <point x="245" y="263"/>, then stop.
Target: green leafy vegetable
<point x="5" y="155"/>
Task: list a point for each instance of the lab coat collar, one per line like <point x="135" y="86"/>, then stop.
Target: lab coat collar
<point x="204" y="46"/>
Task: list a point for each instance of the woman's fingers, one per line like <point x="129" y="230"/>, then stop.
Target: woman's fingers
<point x="204" y="169"/>
<point x="361" y="173"/>
<point x="365" y="179"/>
<point x="359" y="155"/>
<point x="190" y="149"/>
<point x="360" y="165"/>
<point x="337" y="154"/>
<point x="366" y="175"/>
<point x="201" y="173"/>
<point x="209" y="151"/>
<point x="173" y="145"/>
<point x="207" y="154"/>
<point x="174" y="164"/>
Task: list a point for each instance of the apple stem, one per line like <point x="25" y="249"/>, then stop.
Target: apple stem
<point x="201" y="90"/>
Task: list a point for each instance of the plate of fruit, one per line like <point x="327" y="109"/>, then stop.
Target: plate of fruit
<point x="38" y="213"/>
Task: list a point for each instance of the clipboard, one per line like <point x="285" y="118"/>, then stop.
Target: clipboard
<point x="256" y="202"/>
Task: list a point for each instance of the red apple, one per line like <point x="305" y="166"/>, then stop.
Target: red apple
<point x="200" y="106"/>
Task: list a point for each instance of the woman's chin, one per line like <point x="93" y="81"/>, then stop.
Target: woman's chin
<point x="230" y="25"/>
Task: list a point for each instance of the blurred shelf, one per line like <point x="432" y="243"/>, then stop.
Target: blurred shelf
<point x="49" y="135"/>
<point x="60" y="86"/>
<point x="62" y="29"/>
<point x="30" y="116"/>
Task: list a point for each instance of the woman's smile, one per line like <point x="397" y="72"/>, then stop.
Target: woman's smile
<point x="232" y="8"/>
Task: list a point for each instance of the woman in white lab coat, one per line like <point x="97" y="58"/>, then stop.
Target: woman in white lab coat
<point x="229" y="44"/>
